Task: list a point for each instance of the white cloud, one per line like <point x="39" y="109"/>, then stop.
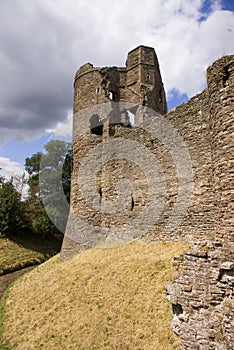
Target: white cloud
<point x="186" y="46"/>
<point x="13" y="171"/>
<point x="10" y="168"/>
<point x="63" y="129"/>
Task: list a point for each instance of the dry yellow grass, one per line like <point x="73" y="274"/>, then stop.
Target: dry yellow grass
<point x="100" y="299"/>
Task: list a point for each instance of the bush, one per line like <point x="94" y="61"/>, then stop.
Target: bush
<point x="11" y="209"/>
<point x="42" y="227"/>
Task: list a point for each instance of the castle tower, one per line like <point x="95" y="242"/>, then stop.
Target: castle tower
<point x="97" y="89"/>
<point x="144" y="83"/>
<point x="139" y="82"/>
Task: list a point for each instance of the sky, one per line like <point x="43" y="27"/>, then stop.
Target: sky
<point x="43" y="43"/>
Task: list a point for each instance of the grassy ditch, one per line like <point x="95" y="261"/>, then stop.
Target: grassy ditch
<point x="100" y="299"/>
<point x="20" y="252"/>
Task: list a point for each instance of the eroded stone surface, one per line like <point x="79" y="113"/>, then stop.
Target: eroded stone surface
<point x="202" y="294"/>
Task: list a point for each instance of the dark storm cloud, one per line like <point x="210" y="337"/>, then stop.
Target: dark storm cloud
<point x="36" y="67"/>
<point x="42" y="43"/>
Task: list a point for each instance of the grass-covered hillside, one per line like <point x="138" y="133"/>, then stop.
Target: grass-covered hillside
<point x="111" y="298"/>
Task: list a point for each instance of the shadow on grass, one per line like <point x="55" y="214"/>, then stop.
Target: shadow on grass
<point x="18" y="252"/>
<point x="44" y="246"/>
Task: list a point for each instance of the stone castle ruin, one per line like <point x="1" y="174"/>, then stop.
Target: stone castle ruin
<point x="112" y="107"/>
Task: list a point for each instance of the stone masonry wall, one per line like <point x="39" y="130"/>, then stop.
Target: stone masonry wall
<point x="202" y="293"/>
<point x="220" y="78"/>
<point x="202" y="297"/>
<point x="191" y="120"/>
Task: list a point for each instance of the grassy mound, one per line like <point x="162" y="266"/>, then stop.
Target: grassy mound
<point x="99" y="299"/>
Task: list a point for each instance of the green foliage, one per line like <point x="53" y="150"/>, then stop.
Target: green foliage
<point x="49" y="182"/>
<point x="32" y="166"/>
<point x="38" y="221"/>
<point x="42" y="226"/>
<point x="46" y="209"/>
<point x="11" y="209"/>
<point x="54" y="164"/>
<point x="17" y="252"/>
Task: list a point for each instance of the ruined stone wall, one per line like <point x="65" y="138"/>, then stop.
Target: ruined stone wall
<point x="199" y="219"/>
<point x="204" y="123"/>
<point x="192" y="121"/>
<point x="202" y="293"/>
<point x="202" y="297"/>
<point x="138" y="82"/>
<point x="221" y="95"/>
<point x="144" y="83"/>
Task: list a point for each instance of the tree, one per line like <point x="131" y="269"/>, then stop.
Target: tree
<point x="11" y="209"/>
<point x="55" y="179"/>
<point x="20" y="183"/>
<point x="56" y="160"/>
<point x="50" y="182"/>
<point x="32" y="166"/>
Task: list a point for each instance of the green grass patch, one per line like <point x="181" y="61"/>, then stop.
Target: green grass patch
<point x="20" y="252"/>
